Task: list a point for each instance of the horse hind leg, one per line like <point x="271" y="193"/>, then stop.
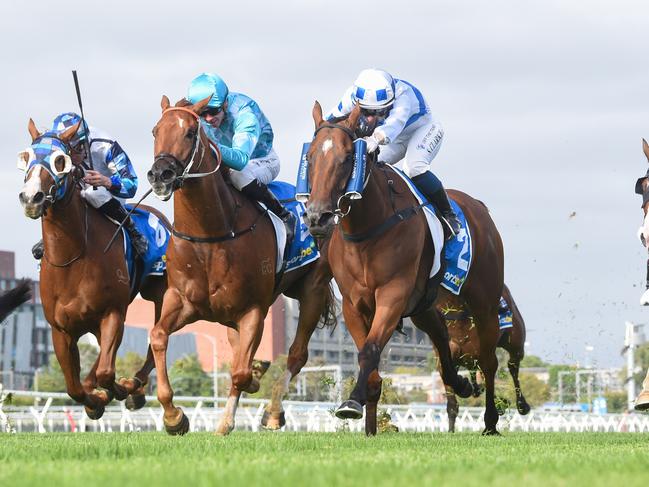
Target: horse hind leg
<point x="452" y="408"/>
<point x="488" y="331"/>
<point x="513" y="364"/>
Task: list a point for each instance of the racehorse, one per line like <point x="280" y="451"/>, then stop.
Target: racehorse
<point x="13" y="298"/>
<point x="221" y="262"/>
<point x="83" y="289"/>
<point x="465" y="348"/>
<point x="381" y="253"/>
<point x="642" y="188"/>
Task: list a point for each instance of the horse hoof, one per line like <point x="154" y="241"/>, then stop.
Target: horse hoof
<point x="349" y="410"/>
<point x="490" y="432"/>
<point x="477" y="390"/>
<point x="96" y="413"/>
<point x="224" y="429"/>
<point x="523" y="408"/>
<point x="273" y="423"/>
<point x="180" y="428"/>
<point x="135" y="402"/>
<point x="464" y="388"/>
<point x="119" y="392"/>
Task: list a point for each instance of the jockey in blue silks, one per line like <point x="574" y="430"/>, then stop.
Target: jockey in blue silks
<point x="395" y="116"/>
<point x="109" y="183"/>
<point x="243" y="134"/>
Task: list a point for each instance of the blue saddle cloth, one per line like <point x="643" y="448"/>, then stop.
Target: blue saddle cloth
<point x="457" y="254"/>
<point x="154" y="262"/>
<point x="505" y="315"/>
<point x="303" y="249"/>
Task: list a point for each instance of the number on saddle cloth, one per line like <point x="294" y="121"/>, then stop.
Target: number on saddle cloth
<point x="354" y="188"/>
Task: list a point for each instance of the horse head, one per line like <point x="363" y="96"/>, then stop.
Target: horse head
<point x="47" y="162"/>
<point x="176" y="135"/>
<point x="642" y="188"/>
<point x="330" y="162"/>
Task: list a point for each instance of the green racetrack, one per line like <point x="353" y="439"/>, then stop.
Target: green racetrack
<point x="314" y="459"/>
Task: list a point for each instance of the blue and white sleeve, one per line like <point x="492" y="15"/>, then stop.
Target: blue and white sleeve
<point x="124" y="180"/>
<point x="344" y="107"/>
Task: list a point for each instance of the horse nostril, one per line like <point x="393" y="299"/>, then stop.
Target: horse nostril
<point x="167" y="176"/>
<point x="21" y="198"/>
<point x="150" y="176"/>
<point x="38" y="198"/>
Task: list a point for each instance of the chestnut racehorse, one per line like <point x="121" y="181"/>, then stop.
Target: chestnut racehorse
<point x="465" y="348"/>
<point x="221" y="262"/>
<point x="83" y="289"/>
<point x="13" y="298"/>
<point x="381" y="253"/>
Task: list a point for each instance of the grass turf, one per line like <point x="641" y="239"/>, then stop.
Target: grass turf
<point x="305" y="459"/>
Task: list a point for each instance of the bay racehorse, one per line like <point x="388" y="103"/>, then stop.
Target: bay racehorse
<point x="83" y="289"/>
<point x="13" y="298"/>
<point x="465" y="347"/>
<point x="642" y="188"/>
<point x="381" y="254"/>
<point x="221" y="262"/>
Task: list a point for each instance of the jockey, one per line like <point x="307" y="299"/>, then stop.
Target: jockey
<point x="395" y="116"/>
<point x="109" y="183"/>
<point x="245" y="138"/>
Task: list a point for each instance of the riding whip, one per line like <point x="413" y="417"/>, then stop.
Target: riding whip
<point x="83" y="123"/>
<point x="130" y="212"/>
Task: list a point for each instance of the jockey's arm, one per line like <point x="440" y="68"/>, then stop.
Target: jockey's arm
<point x="395" y="121"/>
<point x="123" y="179"/>
<point x="246" y="135"/>
<point x="344" y="107"/>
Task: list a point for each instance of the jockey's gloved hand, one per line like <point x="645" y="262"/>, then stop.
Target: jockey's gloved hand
<point x="372" y="144"/>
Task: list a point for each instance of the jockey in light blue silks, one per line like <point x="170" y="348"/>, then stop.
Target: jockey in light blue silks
<point x="111" y="180"/>
<point x="395" y="116"/>
<point x="245" y="138"/>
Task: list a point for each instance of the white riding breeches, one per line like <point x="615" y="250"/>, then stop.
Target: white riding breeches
<point x="419" y="143"/>
<point x="265" y="169"/>
<point x="96" y="197"/>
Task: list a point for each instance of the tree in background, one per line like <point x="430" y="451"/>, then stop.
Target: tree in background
<point x="51" y="379"/>
<point x="187" y="377"/>
<point x="530" y="361"/>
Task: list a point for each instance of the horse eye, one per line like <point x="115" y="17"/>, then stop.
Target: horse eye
<point x="154" y="130"/>
<point x="190" y="134"/>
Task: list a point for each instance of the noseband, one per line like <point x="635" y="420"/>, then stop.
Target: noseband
<point x="182" y="168"/>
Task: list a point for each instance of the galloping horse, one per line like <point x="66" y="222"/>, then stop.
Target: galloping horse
<point x="82" y="288"/>
<point x="13" y="298"/>
<point x="381" y="254"/>
<point x="221" y="262"/>
<point x="465" y="348"/>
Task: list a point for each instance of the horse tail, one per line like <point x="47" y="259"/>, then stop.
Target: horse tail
<point x="329" y="317"/>
<point x="10" y="300"/>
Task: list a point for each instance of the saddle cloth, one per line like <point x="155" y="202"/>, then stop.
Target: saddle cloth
<point x="302" y="250"/>
<point x="505" y="315"/>
<point x="154" y="262"/>
<point x="458" y="254"/>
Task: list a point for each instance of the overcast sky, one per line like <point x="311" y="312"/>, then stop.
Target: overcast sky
<point x="544" y="104"/>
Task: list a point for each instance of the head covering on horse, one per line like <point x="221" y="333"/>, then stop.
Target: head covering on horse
<point x="66" y="120"/>
<point x="245" y="132"/>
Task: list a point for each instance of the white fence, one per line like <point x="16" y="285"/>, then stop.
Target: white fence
<point x="300" y="416"/>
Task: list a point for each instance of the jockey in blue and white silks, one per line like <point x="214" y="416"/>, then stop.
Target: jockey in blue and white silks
<point x="111" y="180"/>
<point x="395" y="116"/>
<point x="245" y="138"/>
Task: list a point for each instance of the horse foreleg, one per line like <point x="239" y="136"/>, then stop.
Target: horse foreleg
<point x="112" y="329"/>
<point x="311" y="306"/>
<point x="90" y="382"/>
<point x="67" y="353"/>
<point x="175" y="421"/>
<point x="489" y="332"/>
<point x="452" y="408"/>
<point x="244" y="344"/>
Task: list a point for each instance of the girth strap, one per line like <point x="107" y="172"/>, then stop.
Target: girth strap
<point x="380" y="229"/>
<point x="231" y="235"/>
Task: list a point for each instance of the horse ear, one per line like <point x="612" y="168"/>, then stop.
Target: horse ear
<point x="352" y="120"/>
<point x="197" y="107"/>
<point x="164" y="103"/>
<point x="69" y="133"/>
<point x="317" y="114"/>
<point x="645" y="149"/>
<point x="33" y="131"/>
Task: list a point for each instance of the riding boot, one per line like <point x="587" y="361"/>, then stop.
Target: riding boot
<point x="258" y="191"/>
<point x="38" y="250"/>
<point x="113" y="209"/>
<point x="434" y="192"/>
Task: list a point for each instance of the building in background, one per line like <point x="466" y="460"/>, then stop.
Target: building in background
<point x="25" y="340"/>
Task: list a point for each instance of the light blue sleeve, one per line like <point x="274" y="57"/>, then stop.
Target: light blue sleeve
<point x="244" y="140"/>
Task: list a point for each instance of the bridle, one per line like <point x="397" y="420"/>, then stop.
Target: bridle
<point x="182" y="168"/>
<point x="339" y="212"/>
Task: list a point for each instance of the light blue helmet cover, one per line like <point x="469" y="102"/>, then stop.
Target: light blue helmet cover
<point x="206" y="84"/>
<point x="66" y="120"/>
